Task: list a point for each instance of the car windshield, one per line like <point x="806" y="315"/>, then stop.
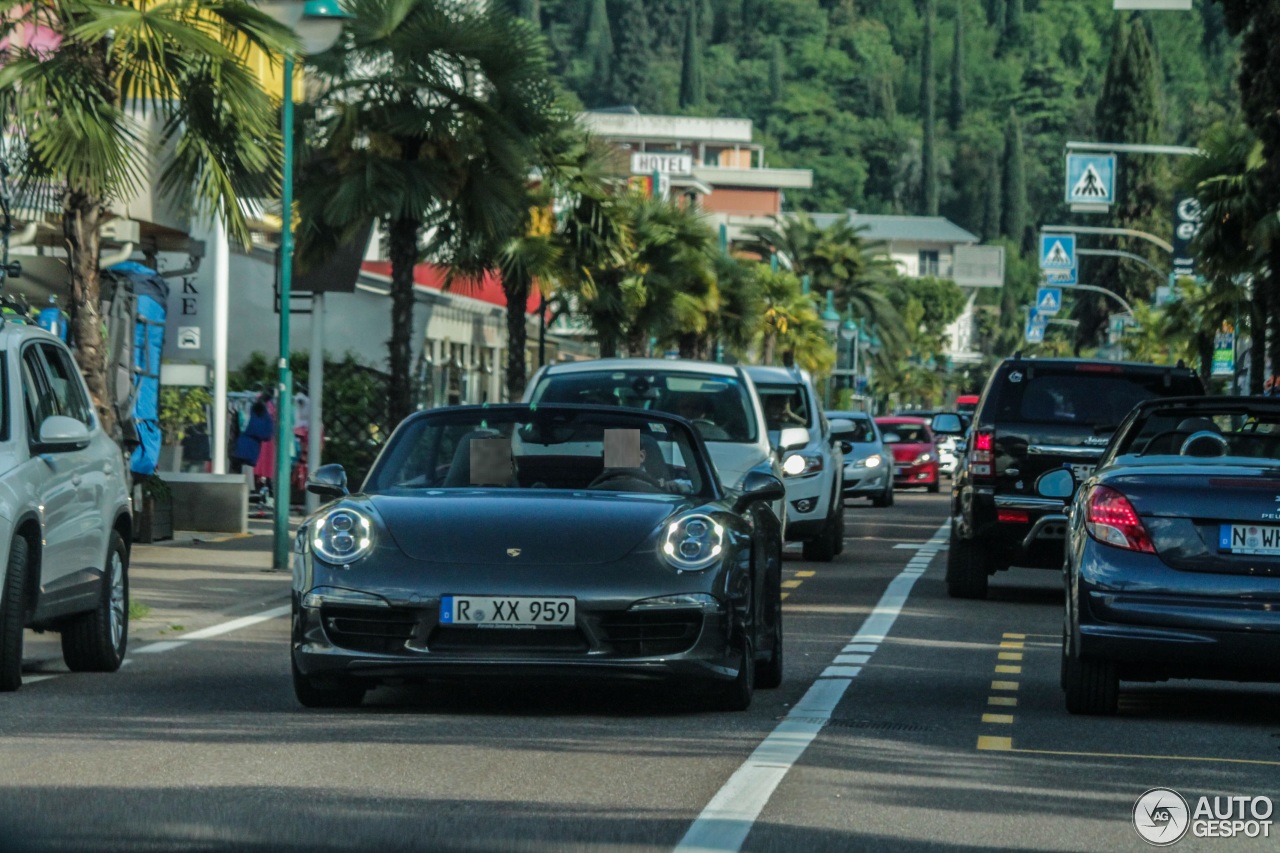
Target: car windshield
<point x="717" y="405"/>
<point x="1087" y="399"/>
<point x="1204" y="431"/>
<point x="784" y="406"/>
<point x="907" y="433"/>
<point x="549" y="448"/>
<point x="862" y="429"/>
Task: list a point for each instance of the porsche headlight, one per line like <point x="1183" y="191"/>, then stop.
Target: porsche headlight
<point x="342" y="536"/>
<point x="872" y="461"/>
<point x="923" y="458"/>
<point x="693" y="542"/>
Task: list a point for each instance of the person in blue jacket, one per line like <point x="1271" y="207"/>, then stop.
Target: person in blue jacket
<point x="258" y="429"/>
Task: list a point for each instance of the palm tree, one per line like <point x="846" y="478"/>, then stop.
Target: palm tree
<point x="838" y="259"/>
<point x="181" y="64"/>
<point x="1236" y="234"/>
<point x="429" y="125"/>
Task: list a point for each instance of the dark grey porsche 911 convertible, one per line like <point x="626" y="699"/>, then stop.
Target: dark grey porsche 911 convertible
<point x="542" y="542"/>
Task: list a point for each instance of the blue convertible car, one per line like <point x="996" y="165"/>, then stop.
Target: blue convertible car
<point x="1173" y="551"/>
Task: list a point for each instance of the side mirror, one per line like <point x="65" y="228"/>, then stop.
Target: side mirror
<point x="843" y="429"/>
<point x="846" y="447"/>
<point x="759" y="486"/>
<point x="59" y="433"/>
<point x="1056" y="484"/>
<point x="793" y="437"/>
<point x="947" y="424"/>
<point x="329" y="481"/>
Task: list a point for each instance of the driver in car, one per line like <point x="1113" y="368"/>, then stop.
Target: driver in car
<point x="697" y="409"/>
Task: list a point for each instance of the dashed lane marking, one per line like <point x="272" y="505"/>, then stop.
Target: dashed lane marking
<point x="725" y="822"/>
<point x="1000" y="719"/>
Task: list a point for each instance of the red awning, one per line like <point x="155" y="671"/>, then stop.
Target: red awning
<point x="431" y="276"/>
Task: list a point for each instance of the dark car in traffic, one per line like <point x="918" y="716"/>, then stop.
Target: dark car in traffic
<point x="538" y="542"/>
<point x="1037" y="416"/>
<point x="1173" y="552"/>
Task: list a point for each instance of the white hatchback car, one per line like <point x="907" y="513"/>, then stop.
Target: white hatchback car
<point x="65" y="520"/>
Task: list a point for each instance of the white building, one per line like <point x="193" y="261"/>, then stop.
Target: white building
<point x="933" y="246"/>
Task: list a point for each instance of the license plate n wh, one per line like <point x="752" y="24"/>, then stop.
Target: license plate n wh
<point x="513" y="611"/>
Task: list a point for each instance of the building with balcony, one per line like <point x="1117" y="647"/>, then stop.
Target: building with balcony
<point x="713" y="162"/>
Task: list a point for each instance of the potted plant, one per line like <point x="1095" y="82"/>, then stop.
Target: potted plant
<point x="179" y="409"/>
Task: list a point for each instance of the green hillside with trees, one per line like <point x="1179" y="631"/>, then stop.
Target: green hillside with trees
<point x="899" y="106"/>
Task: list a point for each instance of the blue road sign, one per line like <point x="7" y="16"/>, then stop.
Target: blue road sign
<point x="1057" y="251"/>
<point x="1048" y="300"/>
<point x="1033" y="333"/>
<point x="1060" y="277"/>
<point x="1091" y="178"/>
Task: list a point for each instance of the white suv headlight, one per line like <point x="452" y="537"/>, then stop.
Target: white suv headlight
<point x="798" y="464"/>
<point x="342" y="536"/>
<point x="693" y="542"/>
<point x="872" y="461"/>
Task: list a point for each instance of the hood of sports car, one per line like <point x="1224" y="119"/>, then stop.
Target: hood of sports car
<point x="483" y="525"/>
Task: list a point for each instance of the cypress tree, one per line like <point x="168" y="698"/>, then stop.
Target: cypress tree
<point x="1014" y="181"/>
<point x="1128" y="110"/>
<point x="631" y="80"/>
<point x="1013" y="22"/>
<point x="691" y="87"/>
<point x="955" y="111"/>
<point x="928" y="97"/>
<point x="530" y="11"/>
<point x="706" y="21"/>
<point x="777" y="70"/>
<point x="597" y="47"/>
<point x="991" y="207"/>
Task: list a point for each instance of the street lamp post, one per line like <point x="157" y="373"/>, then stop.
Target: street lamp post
<point x="318" y="24"/>
<point x="850" y="332"/>
<point x="831" y="323"/>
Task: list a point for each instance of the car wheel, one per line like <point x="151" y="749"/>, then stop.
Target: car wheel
<point x="837" y="529"/>
<point x="885" y="499"/>
<point x="736" y="695"/>
<point x="334" y="694"/>
<point x="12" y="616"/>
<point x="769" y="672"/>
<point x="95" y="641"/>
<point x="822" y="549"/>
<point x="966" y="568"/>
<point x="1092" y="686"/>
<point x="935" y="486"/>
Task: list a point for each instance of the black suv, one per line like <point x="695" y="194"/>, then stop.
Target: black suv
<point x="1037" y="416"/>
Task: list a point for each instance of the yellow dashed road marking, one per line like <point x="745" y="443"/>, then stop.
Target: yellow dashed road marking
<point x="1004" y="685"/>
<point x="1002" y="719"/>
<point x="1015" y="636"/>
<point x="805" y="574"/>
<point x="1012" y="645"/>
<point x="791" y="584"/>
<point x="1131" y="757"/>
<point x="1009" y="670"/>
<point x="1002" y="700"/>
<point x="1010" y="656"/>
<point x="1000" y="744"/>
<point x="784" y="596"/>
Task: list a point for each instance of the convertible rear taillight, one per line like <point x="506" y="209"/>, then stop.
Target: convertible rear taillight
<point x="982" y="456"/>
<point x="1111" y="519"/>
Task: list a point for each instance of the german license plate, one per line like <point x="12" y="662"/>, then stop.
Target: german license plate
<point x="513" y="611"/>
<point x="1082" y="472"/>
<point x="1249" y="539"/>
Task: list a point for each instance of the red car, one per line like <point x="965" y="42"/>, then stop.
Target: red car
<point x="915" y="455"/>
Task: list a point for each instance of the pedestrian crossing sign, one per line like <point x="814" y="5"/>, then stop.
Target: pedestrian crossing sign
<point x="1091" y="178"/>
<point x="1049" y="300"/>
<point x="1033" y="333"/>
<point x="1057" y="251"/>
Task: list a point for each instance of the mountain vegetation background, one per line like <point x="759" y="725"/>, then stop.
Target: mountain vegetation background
<point x="837" y="86"/>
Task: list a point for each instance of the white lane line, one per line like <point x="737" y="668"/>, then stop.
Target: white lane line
<point x="725" y="822"/>
<point x="215" y="630"/>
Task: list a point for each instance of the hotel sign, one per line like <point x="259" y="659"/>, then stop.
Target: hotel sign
<point x="663" y="162"/>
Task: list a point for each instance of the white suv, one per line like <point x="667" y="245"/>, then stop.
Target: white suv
<point x="65" y="520"/>
<point x="812" y="463"/>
